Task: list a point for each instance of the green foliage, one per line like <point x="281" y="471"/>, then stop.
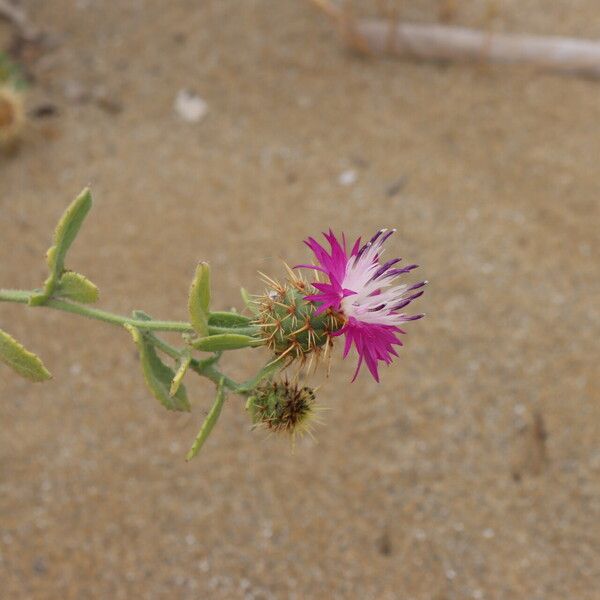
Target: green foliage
<point x="25" y="363"/>
<point x="231" y="322"/>
<point x="64" y="235"/>
<point x="207" y="331"/>
<point x="158" y="375"/>
<point x="10" y="73"/>
<point x="77" y="287"/>
<point x="249" y="303"/>
<point x="209" y="422"/>
<point x="224" y="341"/>
<point x="228" y="320"/>
<point x="199" y="299"/>
<point x="184" y="363"/>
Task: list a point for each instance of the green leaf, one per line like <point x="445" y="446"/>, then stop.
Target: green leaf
<point x="75" y="286"/>
<point x="140" y="315"/>
<point x="228" y="319"/>
<point x="186" y="359"/>
<point x="224" y="341"/>
<point x="209" y="422"/>
<point x="158" y="375"/>
<point x="246" y="297"/>
<point x="10" y="73"/>
<point x="199" y="299"/>
<point x="64" y="235"/>
<point x="25" y="363"/>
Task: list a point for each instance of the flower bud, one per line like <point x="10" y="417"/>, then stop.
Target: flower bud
<point x="282" y="406"/>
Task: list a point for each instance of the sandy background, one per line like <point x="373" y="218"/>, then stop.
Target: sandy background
<point x="471" y="471"/>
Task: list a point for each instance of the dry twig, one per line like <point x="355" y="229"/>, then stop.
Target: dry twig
<point x="446" y="43"/>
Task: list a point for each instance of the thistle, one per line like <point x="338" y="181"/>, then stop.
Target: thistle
<point x="296" y="321"/>
<point x="282" y="407"/>
<point x="291" y="326"/>
<point x="365" y="295"/>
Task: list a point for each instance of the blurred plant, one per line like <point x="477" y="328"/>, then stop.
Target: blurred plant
<point x="10" y="73"/>
<point x="295" y="321"/>
<point x="12" y="114"/>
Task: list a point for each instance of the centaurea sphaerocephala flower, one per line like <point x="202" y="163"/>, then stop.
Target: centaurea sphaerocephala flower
<point x="364" y="292"/>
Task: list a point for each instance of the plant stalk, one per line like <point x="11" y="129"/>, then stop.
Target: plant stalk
<point x="206" y="367"/>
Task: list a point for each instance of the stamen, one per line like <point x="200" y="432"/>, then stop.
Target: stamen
<point x="384" y="268"/>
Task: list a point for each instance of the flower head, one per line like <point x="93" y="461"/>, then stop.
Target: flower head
<point x="283" y="406"/>
<point x="363" y="290"/>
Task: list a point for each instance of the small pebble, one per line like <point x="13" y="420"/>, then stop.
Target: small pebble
<point x="348" y="177"/>
<point x="190" y="107"/>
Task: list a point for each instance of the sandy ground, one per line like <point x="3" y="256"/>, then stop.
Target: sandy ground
<point x="471" y="471"/>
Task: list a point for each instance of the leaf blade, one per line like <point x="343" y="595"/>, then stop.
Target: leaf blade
<point x="64" y="235"/>
<point x="77" y="287"/>
<point x="186" y="359"/>
<point x="158" y="375"/>
<point x="209" y="422"/>
<point x="199" y="299"/>
<point x="228" y="319"/>
<point x="224" y="341"/>
<point x="21" y="360"/>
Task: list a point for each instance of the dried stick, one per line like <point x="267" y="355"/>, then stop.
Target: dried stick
<point x="447" y="43"/>
<point x="18" y="17"/>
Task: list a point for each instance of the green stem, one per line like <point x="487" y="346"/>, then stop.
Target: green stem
<point x="23" y="297"/>
<point x="206" y="367"/>
<point x="212" y="373"/>
<point x="19" y="296"/>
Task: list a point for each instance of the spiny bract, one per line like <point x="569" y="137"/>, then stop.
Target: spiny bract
<point x="282" y="406"/>
<point x="289" y="324"/>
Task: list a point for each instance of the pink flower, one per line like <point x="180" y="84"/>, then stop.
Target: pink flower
<point x="363" y="291"/>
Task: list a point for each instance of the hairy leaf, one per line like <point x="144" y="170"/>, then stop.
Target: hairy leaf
<point x="75" y="286"/>
<point x="209" y="422"/>
<point x="25" y="363"/>
<point x="224" y="341"/>
<point x="158" y="375"/>
<point x="199" y="299"/>
<point x="64" y="235"/>
<point x="246" y="297"/>
<point x="228" y="319"/>
<point x="186" y="359"/>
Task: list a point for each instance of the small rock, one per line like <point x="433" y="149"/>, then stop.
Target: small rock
<point x="348" y="177"/>
<point x="190" y="107"/>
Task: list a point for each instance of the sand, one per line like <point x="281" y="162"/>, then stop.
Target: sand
<point x="471" y="471"/>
